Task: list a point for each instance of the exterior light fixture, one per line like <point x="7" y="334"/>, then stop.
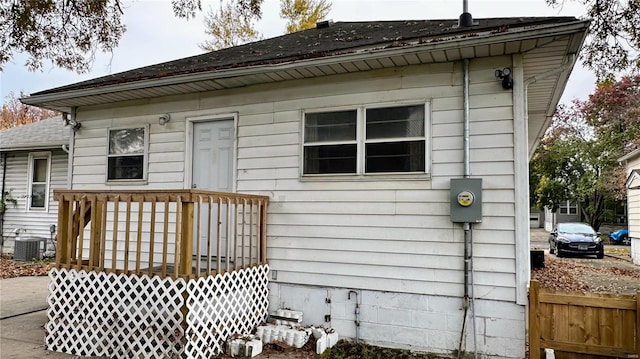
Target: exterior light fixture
<point x="164" y="119"/>
<point x="75" y="125"/>
<point x="505" y="75"/>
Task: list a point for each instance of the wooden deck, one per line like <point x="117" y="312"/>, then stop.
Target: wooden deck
<point x="176" y="233"/>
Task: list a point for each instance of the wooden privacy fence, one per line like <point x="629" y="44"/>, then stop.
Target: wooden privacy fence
<point x="591" y="324"/>
<point x="178" y="233"/>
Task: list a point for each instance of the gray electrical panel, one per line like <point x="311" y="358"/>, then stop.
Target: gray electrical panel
<point x="466" y="200"/>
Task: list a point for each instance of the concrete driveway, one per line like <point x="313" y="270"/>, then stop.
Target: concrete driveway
<point x="23" y="304"/>
<point x="22" y="295"/>
<point x="539" y="238"/>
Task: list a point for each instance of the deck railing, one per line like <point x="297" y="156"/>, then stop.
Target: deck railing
<point x="177" y="233"/>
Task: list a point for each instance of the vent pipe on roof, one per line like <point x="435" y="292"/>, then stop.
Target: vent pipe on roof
<point x="465" y="19"/>
<point x="324" y="24"/>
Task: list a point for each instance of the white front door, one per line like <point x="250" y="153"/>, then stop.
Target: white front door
<point x="212" y="170"/>
<point x="213" y="156"/>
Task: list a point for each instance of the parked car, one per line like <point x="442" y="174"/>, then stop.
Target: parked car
<point x="575" y="238"/>
<point x="620" y="236"/>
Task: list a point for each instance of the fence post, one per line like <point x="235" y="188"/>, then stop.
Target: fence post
<point x="96" y="230"/>
<point x="62" y="242"/>
<point x="534" y="320"/>
<point x="263" y="231"/>
<point x="186" y="246"/>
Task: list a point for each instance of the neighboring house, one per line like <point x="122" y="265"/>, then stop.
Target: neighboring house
<point x="536" y="218"/>
<point x="33" y="162"/>
<point x="354" y="131"/>
<point x="632" y="162"/>
<point x="614" y="217"/>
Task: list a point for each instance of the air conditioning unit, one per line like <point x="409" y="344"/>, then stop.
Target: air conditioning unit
<point x="27" y="249"/>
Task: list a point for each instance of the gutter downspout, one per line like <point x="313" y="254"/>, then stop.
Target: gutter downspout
<point x="71" y="150"/>
<point x="4" y="180"/>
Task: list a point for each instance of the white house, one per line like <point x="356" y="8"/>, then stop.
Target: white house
<point x="33" y="162"/>
<point x="632" y="162"/>
<point x="355" y="130"/>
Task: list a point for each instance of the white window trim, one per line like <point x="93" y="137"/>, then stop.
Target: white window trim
<point x="573" y="206"/>
<point x="145" y="159"/>
<point x="569" y="206"/>
<point x="36" y="156"/>
<point x="361" y="142"/>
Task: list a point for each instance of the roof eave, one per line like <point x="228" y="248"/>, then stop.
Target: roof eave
<point x="39" y="146"/>
<point x="455" y="41"/>
<point x="629" y="156"/>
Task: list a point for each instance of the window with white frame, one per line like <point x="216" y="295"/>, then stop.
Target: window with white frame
<point x="568" y="207"/>
<point x="330" y="142"/>
<point x="126" y="157"/>
<point x="38" y="191"/>
<point x="368" y="140"/>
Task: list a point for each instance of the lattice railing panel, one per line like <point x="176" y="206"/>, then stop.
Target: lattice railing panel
<point x="222" y="305"/>
<point x="119" y="316"/>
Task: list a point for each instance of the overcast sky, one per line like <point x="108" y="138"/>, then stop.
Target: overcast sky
<point x="154" y="35"/>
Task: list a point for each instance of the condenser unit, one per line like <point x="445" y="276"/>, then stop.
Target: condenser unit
<point x="27" y="249"/>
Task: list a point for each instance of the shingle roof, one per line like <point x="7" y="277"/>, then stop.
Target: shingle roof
<point x="339" y="38"/>
<point x="45" y="133"/>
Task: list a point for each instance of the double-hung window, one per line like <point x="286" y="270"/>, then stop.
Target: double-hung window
<point x="367" y="140"/>
<point x="126" y="157"/>
<point x="330" y="142"/>
<point x="39" y="168"/>
<point x="568" y="207"/>
<point x="395" y="140"/>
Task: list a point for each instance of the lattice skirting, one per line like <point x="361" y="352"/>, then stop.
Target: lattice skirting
<point x="129" y="316"/>
<point x="235" y="302"/>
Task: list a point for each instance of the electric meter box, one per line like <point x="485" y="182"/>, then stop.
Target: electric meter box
<point x="466" y="200"/>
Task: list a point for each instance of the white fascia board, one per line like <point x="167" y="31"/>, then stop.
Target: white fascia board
<point x="629" y="156"/>
<point x="39" y="146"/>
<point x="633" y="182"/>
<point x="455" y="41"/>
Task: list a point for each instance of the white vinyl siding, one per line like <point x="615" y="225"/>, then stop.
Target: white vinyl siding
<point x="384" y="233"/>
<point x="36" y="222"/>
<point x="633" y="201"/>
<point x="165" y="154"/>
